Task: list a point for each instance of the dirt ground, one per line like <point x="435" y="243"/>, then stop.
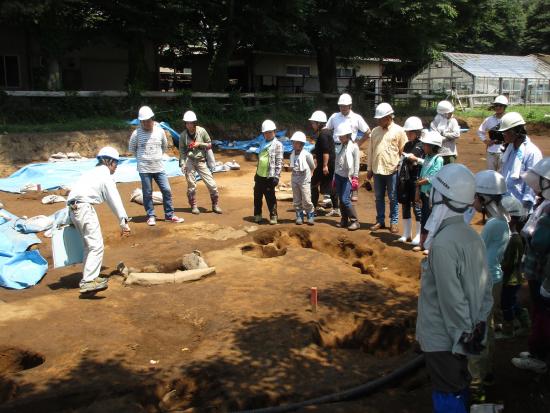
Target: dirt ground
<point x="243" y="338"/>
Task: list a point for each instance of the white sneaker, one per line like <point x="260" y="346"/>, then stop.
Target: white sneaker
<point x="530" y="363"/>
<point x="333" y="213"/>
<point x="151" y="221"/>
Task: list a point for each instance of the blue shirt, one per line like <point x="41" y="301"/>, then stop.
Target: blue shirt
<point x="523" y="158"/>
<point x="495" y="235"/>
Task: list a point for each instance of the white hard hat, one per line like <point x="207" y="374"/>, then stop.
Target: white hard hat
<point x="456" y="183"/>
<point x="445" y="107"/>
<point x="510" y="120"/>
<point x="542" y="168"/>
<point x="268" y="125"/>
<point x="319" y="116"/>
<point x="490" y="183"/>
<point x="189" y="116"/>
<point x="412" y="123"/>
<point x="382" y="110"/>
<point x="108" y="152"/>
<point x="501" y="100"/>
<point x="344" y="99"/>
<point x="298" y="137"/>
<point x="513" y="206"/>
<point x="145" y="112"/>
<point x="432" y="137"/>
<point x="343" y="128"/>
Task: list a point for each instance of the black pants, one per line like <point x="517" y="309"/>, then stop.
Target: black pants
<point x="448" y="372"/>
<point x="322" y="184"/>
<point x="263" y="187"/>
<point x="425" y="211"/>
<point x="508" y="302"/>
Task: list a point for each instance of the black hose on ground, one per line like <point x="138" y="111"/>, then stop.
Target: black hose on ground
<point x="362" y="390"/>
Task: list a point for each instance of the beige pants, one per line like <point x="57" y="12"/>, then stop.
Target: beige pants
<point x="301" y="194"/>
<point x="192" y="166"/>
<point x="494" y="161"/>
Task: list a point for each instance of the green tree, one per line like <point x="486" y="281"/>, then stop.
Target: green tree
<point x="537" y="34"/>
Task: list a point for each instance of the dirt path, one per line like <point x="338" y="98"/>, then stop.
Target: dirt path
<point x="245" y="337"/>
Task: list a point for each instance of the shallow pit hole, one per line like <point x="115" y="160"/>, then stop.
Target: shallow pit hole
<point x="263" y="251"/>
<point x="13" y="360"/>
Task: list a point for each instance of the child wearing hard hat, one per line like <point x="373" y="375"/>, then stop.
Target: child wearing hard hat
<point x="512" y="274"/>
<point x="268" y="172"/>
<point x="407" y="176"/>
<point x="455" y="292"/>
<point x="301" y="162"/>
<point x="490" y="188"/>
<point x="346" y="176"/>
<point x="95" y="187"/>
<point x="193" y="147"/>
<point x="431" y="165"/>
<point x="447" y="126"/>
<point x="490" y="126"/>
<point x="536" y="266"/>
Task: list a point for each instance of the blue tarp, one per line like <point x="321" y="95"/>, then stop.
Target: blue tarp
<point x="19" y="268"/>
<point x="53" y="175"/>
<point x="164" y="125"/>
<point x="253" y="145"/>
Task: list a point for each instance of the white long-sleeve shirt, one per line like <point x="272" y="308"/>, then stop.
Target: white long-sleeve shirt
<point x="488" y="124"/>
<point x="148" y="146"/>
<point x="355" y="120"/>
<point x="450" y="130"/>
<point x="97" y="186"/>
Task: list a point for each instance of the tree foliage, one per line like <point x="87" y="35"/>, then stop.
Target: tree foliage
<point x="412" y="30"/>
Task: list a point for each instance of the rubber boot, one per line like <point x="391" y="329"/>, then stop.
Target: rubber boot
<point x="416" y="239"/>
<point x="407" y="231"/>
<point x="215" y="207"/>
<point x="193" y="202"/>
<point x="354" y="222"/>
<point x="299" y="217"/>
<point x="420" y="246"/>
<point x="311" y="218"/>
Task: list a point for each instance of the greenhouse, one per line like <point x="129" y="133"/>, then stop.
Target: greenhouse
<point x="524" y="79"/>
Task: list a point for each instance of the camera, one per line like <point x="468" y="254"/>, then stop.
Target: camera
<point x="495" y="135"/>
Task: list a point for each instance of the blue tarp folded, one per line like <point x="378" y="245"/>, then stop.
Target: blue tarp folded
<point x="253" y="145"/>
<point x="19" y="268"/>
<point x="53" y="175"/>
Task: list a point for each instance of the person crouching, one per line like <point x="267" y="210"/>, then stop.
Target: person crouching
<point x="346" y="176"/>
<point x="301" y="162"/>
<point x="93" y="188"/>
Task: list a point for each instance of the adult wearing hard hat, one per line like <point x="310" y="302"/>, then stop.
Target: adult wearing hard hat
<point x="447" y="126"/>
<point x="490" y="188"/>
<point x="489" y="133"/>
<point x="520" y="156"/>
<point x="301" y="162"/>
<point x="536" y="266"/>
<point x="346" y="176"/>
<point x="93" y="188"/>
<point x="409" y="173"/>
<point x="193" y="146"/>
<point x="268" y="172"/>
<point x="383" y="154"/>
<point x="148" y="143"/>
<point x="324" y="155"/>
<point x="345" y="114"/>
<point x="455" y="293"/>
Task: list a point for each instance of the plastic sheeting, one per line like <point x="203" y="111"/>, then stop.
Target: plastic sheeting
<point x="253" y="145"/>
<point x="58" y="174"/>
<point x="19" y="268"/>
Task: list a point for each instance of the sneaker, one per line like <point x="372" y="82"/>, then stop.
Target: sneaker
<point x="377" y="226"/>
<point x="426" y="252"/>
<point x="334" y="213"/>
<point x="354" y="196"/>
<point x="257" y="219"/>
<point x="273" y="220"/>
<point x="418" y="248"/>
<point x="93" y="286"/>
<point x="151" y="221"/>
<point x="343" y="223"/>
<point x="216" y="208"/>
<point x="394" y="229"/>
<point x="175" y="219"/>
<point x="530" y="363"/>
<point x="354" y="226"/>
<point x="195" y="210"/>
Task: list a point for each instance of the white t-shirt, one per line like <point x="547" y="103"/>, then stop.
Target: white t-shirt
<point x="355" y="120"/>
<point x="488" y="124"/>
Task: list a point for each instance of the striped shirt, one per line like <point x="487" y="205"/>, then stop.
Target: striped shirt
<point x="148" y="146"/>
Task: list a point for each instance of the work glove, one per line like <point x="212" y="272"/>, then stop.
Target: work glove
<point x="274" y="181"/>
<point x="472" y="342"/>
<point x="354" y="183"/>
<point x="192" y="145"/>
